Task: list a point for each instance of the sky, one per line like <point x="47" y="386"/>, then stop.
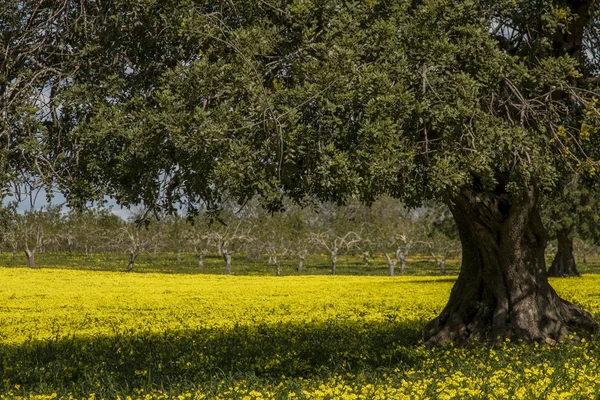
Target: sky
<point x="40" y="201"/>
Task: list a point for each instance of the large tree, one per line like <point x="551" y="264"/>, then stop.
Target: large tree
<point x="33" y="61"/>
<point x="481" y="104"/>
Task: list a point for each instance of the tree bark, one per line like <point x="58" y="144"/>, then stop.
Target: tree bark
<point x="132" y="257"/>
<point x="178" y="255"/>
<point x="30" y="254"/>
<point x="333" y="263"/>
<point x="403" y="265"/>
<point x="227" y="259"/>
<point x="564" y="262"/>
<point x="391" y="264"/>
<point x="300" y="264"/>
<point x="278" y="267"/>
<point x="86" y="251"/>
<point x="366" y="258"/>
<point x="584" y="258"/>
<point x="502" y="290"/>
<point x="442" y="265"/>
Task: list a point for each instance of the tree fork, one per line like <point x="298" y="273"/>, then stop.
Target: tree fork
<point x="502" y="290"/>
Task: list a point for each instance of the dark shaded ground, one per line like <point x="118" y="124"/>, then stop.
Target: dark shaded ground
<point x="178" y="361"/>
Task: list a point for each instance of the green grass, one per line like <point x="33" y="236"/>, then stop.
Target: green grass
<point x="213" y="264"/>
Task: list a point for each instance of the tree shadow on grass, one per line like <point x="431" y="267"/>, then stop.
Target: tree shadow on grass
<point x="195" y="358"/>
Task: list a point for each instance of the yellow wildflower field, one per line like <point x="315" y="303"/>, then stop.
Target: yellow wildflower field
<point x="91" y="334"/>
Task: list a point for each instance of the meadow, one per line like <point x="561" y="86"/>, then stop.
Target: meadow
<point x="88" y="330"/>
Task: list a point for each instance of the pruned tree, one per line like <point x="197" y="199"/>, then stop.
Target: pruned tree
<point x="35" y="229"/>
<point x="92" y="228"/>
<point x="197" y="237"/>
<point x="297" y="219"/>
<point x="136" y="238"/>
<point x="335" y="243"/>
<point x="396" y="232"/>
<point x="175" y="229"/>
<point x="228" y="237"/>
<point x="441" y="234"/>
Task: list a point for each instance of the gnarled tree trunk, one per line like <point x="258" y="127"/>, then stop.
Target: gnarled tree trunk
<point x="502" y="290"/>
<point x="564" y="261"/>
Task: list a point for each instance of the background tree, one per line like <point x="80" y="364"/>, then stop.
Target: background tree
<point x="584" y="248"/>
<point x="396" y="232"/>
<point x="198" y="238"/>
<point x="228" y="234"/>
<point x="573" y="210"/>
<point x="35" y="229"/>
<point x="92" y="228"/>
<point x="335" y="230"/>
<point x="297" y="221"/>
<point x="441" y="238"/>
<point x="136" y="238"/>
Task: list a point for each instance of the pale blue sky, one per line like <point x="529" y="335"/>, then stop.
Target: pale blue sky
<point x="40" y="200"/>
